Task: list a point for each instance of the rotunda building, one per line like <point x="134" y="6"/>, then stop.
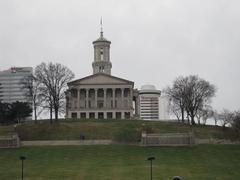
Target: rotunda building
<point x="149" y="102"/>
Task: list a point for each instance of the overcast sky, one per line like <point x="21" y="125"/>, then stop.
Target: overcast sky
<point x="153" y="42"/>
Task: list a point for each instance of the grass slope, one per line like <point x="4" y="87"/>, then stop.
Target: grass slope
<point x="121" y="162"/>
<point x="120" y="130"/>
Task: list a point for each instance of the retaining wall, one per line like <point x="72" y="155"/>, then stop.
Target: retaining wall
<point x="9" y="141"/>
<point x="167" y="139"/>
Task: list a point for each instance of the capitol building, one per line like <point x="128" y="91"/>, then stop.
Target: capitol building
<point x="103" y="96"/>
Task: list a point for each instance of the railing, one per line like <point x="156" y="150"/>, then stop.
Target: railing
<point x="167" y="139"/>
<point x="9" y="141"/>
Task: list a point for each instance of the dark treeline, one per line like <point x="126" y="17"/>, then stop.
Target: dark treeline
<point x="14" y="112"/>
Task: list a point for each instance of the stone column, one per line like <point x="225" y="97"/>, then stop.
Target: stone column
<point x="96" y="115"/>
<point x="78" y="99"/>
<point x="113" y="98"/>
<point x="105" y="98"/>
<point x="131" y="98"/>
<point x="122" y="115"/>
<point x="95" y="97"/>
<point x="122" y="97"/>
<point x="114" y="115"/>
<point x="104" y="115"/>
<point x="87" y="98"/>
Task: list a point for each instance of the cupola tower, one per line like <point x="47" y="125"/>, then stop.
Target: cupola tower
<point x="101" y="62"/>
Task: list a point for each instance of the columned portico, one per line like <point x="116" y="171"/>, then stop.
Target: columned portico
<point x="87" y="101"/>
<point x="103" y="101"/>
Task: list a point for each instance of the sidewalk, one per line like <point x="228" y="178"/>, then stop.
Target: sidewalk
<point x="66" y="142"/>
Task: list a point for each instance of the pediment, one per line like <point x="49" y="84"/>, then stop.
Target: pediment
<point x="100" y="78"/>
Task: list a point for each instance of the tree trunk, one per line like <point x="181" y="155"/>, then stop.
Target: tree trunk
<point x="192" y="119"/>
<point x="56" y="113"/>
<point x="35" y="114"/>
<point x="188" y="118"/>
<point x="182" y="111"/>
<point x="51" y="115"/>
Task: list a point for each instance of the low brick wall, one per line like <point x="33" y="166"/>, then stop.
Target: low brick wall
<point x="66" y="142"/>
<point x="9" y="141"/>
<point x="167" y="139"/>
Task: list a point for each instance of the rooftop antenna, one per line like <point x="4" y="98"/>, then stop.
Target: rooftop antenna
<point x="101" y="27"/>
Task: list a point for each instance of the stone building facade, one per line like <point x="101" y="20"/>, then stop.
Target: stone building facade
<point x="101" y="95"/>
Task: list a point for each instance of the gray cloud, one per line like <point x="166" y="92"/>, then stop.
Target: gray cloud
<point x="152" y="41"/>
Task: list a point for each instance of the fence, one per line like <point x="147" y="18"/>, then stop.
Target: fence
<point x="167" y="139"/>
<point x="9" y="141"/>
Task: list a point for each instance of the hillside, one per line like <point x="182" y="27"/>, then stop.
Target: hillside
<point x="119" y="130"/>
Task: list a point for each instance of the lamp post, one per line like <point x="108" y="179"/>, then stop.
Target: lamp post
<point x="151" y="159"/>
<point x="22" y="158"/>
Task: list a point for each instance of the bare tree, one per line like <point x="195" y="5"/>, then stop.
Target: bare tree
<point x="32" y="92"/>
<point x="204" y="113"/>
<point x="236" y="122"/>
<point x="174" y="109"/>
<point x="46" y="101"/>
<point x="226" y="117"/>
<point x="176" y="94"/>
<point x="53" y="79"/>
<point x="198" y="92"/>
<point x="191" y="94"/>
<point x="215" y="117"/>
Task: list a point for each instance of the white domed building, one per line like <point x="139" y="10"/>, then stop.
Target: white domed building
<point x="149" y="102"/>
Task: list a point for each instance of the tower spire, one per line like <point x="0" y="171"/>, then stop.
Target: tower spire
<point x="101" y="33"/>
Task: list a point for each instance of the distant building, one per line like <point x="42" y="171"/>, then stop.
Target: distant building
<point x="11" y="84"/>
<point x="149" y="102"/>
<point x="101" y="95"/>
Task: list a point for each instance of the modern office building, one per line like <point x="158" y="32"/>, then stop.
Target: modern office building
<point x="11" y="84"/>
<point x="149" y="102"/>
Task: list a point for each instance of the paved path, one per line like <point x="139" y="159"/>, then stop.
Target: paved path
<point x="66" y="142"/>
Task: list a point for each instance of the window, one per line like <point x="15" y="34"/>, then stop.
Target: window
<point x="91" y="115"/>
<point x="118" y="115"/>
<point x="109" y="115"/>
<point x="101" y="69"/>
<point x="83" y="115"/>
<point x="100" y="115"/>
<point x="100" y="104"/>
<point x="74" y="115"/>
<point x="101" y="54"/>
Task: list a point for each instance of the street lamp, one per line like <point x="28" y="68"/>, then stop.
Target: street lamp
<point x="22" y="158"/>
<point x="151" y="159"/>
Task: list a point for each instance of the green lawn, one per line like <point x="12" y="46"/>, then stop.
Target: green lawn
<point x="120" y="130"/>
<point x="121" y="162"/>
